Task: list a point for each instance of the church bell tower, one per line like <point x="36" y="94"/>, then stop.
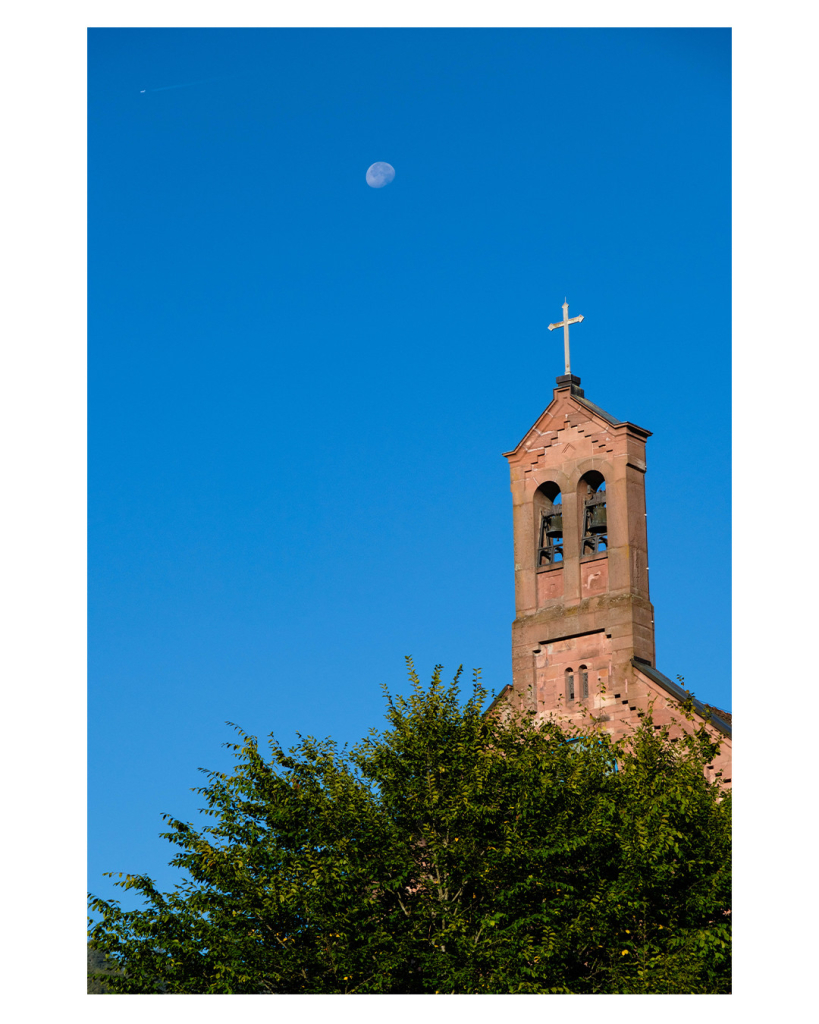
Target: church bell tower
<point x="584" y="622"/>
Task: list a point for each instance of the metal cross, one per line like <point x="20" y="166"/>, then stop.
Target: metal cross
<point x="564" y="323"/>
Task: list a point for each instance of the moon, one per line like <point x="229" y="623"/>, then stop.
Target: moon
<point x="380" y="174"/>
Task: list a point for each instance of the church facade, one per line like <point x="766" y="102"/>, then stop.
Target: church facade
<point x="583" y="635"/>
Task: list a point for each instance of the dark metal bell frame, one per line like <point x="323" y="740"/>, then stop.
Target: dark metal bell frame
<point x="550" y="548"/>
<point x="595" y="527"/>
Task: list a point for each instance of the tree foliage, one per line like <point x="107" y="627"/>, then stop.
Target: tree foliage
<point x="454" y="852"/>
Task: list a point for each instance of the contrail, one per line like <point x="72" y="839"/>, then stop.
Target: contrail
<point x="184" y="85"/>
<point x="187" y="85"/>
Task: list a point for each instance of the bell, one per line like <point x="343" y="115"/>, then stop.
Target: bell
<point x="554" y="525"/>
<point x="597" y="519"/>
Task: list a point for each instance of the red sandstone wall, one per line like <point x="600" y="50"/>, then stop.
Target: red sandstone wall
<point x="588" y="611"/>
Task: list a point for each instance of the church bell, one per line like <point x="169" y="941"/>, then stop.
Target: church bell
<point x="554" y="524"/>
<point x="596" y="519"/>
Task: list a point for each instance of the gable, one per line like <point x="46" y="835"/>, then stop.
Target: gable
<point x="567" y="421"/>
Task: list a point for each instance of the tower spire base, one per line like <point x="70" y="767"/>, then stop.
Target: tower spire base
<point x="569" y="381"/>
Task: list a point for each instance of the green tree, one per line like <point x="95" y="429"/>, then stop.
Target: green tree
<point x="456" y="851"/>
<point x="98" y="971"/>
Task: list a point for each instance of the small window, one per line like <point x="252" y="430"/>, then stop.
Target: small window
<point x="584" y="682"/>
<point x="569" y="684"/>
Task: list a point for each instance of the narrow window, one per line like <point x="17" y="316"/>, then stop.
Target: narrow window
<point x="584" y="682"/>
<point x="569" y="684"/>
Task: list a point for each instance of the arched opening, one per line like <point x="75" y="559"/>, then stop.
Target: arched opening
<point x="584" y="682"/>
<point x="548" y="509"/>
<point x="594" y="537"/>
<point x="569" y="681"/>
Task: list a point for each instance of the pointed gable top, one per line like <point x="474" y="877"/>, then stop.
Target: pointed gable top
<point x="568" y="387"/>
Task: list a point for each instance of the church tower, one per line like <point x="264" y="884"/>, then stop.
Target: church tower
<point x="583" y="635"/>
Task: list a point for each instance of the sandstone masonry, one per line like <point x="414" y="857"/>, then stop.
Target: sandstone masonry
<point x="583" y="636"/>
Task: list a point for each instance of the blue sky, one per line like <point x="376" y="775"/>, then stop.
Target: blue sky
<point x="300" y="387"/>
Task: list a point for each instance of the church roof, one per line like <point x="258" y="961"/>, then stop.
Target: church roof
<point x="721" y="719"/>
<point x="596" y="409"/>
<point x="724" y="715"/>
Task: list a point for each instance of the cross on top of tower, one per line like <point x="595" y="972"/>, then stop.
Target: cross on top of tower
<point x="564" y="323"/>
